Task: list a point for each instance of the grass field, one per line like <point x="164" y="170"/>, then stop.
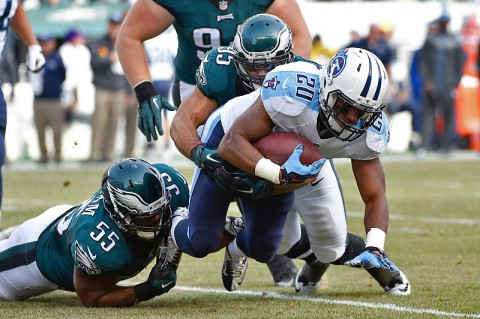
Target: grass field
<point x="433" y="237"/>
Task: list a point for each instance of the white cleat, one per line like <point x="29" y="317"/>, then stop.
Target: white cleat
<point x="399" y="286"/>
<point x="233" y="271"/>
<point x="303" y="285"/>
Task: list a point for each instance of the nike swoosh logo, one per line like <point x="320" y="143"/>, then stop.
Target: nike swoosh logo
<point x="155" y="102"/>
<point x="284" y="85"/>
<point x="210" y="158"/>
<point x="167" y="284"/>
<point x="92" y="256"/>
<point x="315" y="183"/>
<point x="250" y="191"/>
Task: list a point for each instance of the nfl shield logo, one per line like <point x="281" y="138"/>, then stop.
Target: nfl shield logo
<point x="223" y="5"/>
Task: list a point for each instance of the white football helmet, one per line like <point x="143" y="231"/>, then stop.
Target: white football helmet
<point x="359" y="78"/>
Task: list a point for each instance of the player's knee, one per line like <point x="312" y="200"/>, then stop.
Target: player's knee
<point x="262" y="253"/>
<point x="204" y="244"/>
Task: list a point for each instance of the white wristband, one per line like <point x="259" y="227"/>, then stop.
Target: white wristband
<point x="267" y="169"/>
<point x="376" y="238"/>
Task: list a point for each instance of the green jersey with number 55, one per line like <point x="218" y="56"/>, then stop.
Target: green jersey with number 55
<point x="87" y="237"/>
<point x="202" y="25"/>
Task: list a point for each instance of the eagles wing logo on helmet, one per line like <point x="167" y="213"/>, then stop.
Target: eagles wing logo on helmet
<point x="132" y="201"/>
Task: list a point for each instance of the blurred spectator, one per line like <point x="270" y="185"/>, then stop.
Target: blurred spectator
<point x="47" y="87"/>
<point x="376" y="43"/>
<point x="161" y="52"/>
<point x="320" y="53"/>
<point x="110" y="97"/>
<point x="441" y="65"/>
<point x="76" y="57"/>
<point x="131" y="117"/>
<point x="416" y="84"/>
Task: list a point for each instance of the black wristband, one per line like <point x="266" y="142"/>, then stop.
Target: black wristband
<point x="145" y="291"/>
<point x="144" y="91"/>
<point x="194" y="151"/>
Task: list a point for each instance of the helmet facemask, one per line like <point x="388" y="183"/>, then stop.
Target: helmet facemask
<point x="337" y="103"/>
<point x="134" y="195"/>
<point x="262" y="43"/>
<point x="353" y="89"/>
<point x="138" y="218"/>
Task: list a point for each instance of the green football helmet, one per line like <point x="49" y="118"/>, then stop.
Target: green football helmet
<point x="134" y="195"/>
<point x="262" y="42"/>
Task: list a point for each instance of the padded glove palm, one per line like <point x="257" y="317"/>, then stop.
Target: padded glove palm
<point x="294" y="172"/>
<point x="372" y="257"/>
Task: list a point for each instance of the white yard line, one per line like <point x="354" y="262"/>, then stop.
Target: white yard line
<point x="276" y="295"/>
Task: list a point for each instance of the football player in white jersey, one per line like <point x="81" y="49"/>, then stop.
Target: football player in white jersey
<point x="12" y="15"/>
<point x="339" y="108"/>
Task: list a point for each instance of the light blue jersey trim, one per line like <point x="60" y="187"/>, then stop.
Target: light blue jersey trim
<point x="297" y="85"/>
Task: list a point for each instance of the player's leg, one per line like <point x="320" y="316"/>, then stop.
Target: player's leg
<point x="282" y="268"/>
<point x="3" y="125"/>
<point x="260" y="239"/>
<point x="20" y="275"/>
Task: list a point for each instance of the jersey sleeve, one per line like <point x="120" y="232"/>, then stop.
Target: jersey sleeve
<point x="217" y="74"/>
<point x="176" y="184"/>
<point x="378" y="135"/>
<point x="288" y="90"/>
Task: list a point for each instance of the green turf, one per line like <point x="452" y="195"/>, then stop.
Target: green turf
<point x="433" y="237"/>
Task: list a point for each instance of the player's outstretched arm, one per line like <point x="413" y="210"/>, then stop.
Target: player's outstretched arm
<point x="103" y="291"/>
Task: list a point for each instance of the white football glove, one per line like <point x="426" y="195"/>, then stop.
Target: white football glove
<point x="35" y="58"/>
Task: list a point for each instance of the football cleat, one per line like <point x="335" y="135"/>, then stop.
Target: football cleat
<point x="233" y="225"/>
<point x="399" y="286"/>
<point x="233" y="271"/>
<point x="283" y="271"/>
<point x="304" y="285"/>
<point x="5" y="234"/>
<point x="168" y="253"/>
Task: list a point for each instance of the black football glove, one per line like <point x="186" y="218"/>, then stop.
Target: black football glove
<point x="162" y="278"/>
<point x="241" y="184"/>
<point x="206" y="158"/>
<point x="150" y="106"/>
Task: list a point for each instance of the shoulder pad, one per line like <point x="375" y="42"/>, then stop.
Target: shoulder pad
<point x="378" y="134"/>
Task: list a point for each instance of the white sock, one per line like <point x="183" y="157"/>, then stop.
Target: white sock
<point x="234" y="251"/>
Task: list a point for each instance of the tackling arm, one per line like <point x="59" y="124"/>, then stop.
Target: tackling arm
<point x="289" y="11"/>
<point x="102" y="291"/>
<point x="192" y="113"/>
<point x="145" y="20"/>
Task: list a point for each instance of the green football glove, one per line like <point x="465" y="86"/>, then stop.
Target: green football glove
<point x="150" y="110"/>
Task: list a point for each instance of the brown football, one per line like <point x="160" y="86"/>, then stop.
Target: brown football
<point x="279" y="146"/>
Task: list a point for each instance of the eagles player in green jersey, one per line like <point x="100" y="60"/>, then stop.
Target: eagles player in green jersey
<point x="200" y="25"/>
<point x="110" y="237"/>
<point x="262" y="42"/>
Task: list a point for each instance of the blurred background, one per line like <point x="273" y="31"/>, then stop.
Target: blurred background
<point x="402" y="27"/>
